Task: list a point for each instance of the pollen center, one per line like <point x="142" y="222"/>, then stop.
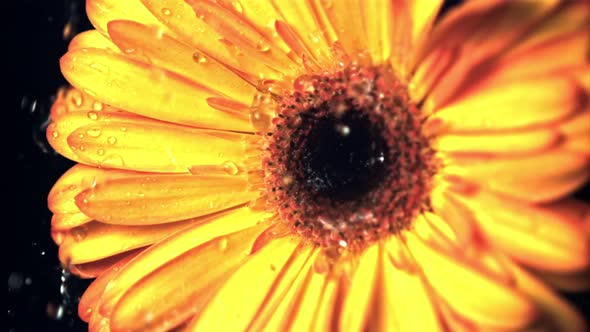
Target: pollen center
<point x="347" y="162"/>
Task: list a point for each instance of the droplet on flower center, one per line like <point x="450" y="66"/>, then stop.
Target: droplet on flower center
<point x="346" y="162"/>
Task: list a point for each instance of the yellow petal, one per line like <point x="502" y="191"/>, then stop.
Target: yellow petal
<point x="151" y="146"/>
<point x="145" y="90"/>
<point x="561" y="316"/>
<point x="91" y="39"/>
<point x="148" y="45"/>
<point x="517" y="105"/>
<point x="234" y="306"/>
<point x="531" y="234"/>
<point x="173" y="246"/>
<point x="464" y="287"/>
<point x="156" y="199"/>
<point x="178" y="289"/>
<point x="101" y="12"/>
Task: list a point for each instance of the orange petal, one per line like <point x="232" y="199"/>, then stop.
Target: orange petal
<point x="147" y="44"/>
<point x="300" y="19"/>
<point x="173" y="246"/>
<point x="499" y="143"/>
<point x="561" y="316"/>
<point x="152" y="146"/>
<point x="64" y="221"/>
<point x="145" y="90"/>
<point x="156" y="199"/>
<point x="61" y="198"/>
<point x="423" y="14"/>
<point x="533" y="235"/>
<point x="260" y="272"/>
<point x="91" y="39"/>
<point x="481" y="31"/>
<point x="516" y="105"/>
<point x="96" y="268"/>
<point x="178" y="289"/>
<point x="92" y="295"/>
<point x="95" y="241"/>
<point x="378" y="20"/>
<point x="101" y="12"/>
<point x="576" y="132"/>
<point x="344" y="21"/>
<point x="463" y="287"/>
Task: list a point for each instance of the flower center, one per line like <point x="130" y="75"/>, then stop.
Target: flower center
<point x="347" y="163"/>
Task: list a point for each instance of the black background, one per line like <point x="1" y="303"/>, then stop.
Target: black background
<point x="41" y="297"/>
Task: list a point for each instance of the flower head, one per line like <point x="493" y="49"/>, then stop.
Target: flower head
<point x="325" y="165"/>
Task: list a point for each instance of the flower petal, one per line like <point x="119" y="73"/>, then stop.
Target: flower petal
<point x="178" y="289"/>
<point x="261" y="271"/>
<point x="156" y="199"/>
<point x="92" y="295"/>
<point x="559" y="314"/>
<point x="122" y="142"/>
<point x="531" y="234"/>
<point x="101" y="12"/>
<point x="113" y="79"/>
<point x="463" y="287"/>
<point x="537" y="102"/>
<point x="173" y="246"/>
<point x="95" y="241"/>
<point x="91" y="39"/>
<point x="147" y="44"/>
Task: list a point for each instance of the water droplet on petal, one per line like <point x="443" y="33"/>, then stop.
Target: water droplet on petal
<point x="199" y="57"/>
<point x="238" y="7"/>
<point x="230" y="168"/>
<point x="166" y="12"/>
<point x="79" y="233"/>
<point x="113" y="160"/>
<point x="94" y="132"/>
<point x="97" y="106"/>
<point x="112" y="140"/>
<point x="100" y="152"/>
<point x="92" y="115"/>
<point x="223" y="243"/>
<point x="77" y="98"/>
<point x="55" y="134"/>
<point x="262" y="46"/>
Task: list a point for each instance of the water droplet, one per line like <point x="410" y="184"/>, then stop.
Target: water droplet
<point x="230" y="168"/>
<point x="166" y="11"/>
<point x="113" y="160"/>
<point x="54" y="134"/>
<point x="92" y="115"/>
<point x="199" y="57"/>
<point x="97" y="106"/>
<point x="94" y="132"/>
<point x="79" y="233"/>
<point x="112" y="140"/>
<point x="313" y="37"/>
<point x="262" y="46"/>
<point x="123" y="129"/>
<point x="76" y="98"/>
<point x="129" y="50"/>
<point x="223" y="242"/>
<point x="238" y="7"/>
<point x="100" y="152"/>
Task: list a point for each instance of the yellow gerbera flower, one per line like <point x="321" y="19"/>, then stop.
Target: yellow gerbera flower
<point x="325" y="165"/>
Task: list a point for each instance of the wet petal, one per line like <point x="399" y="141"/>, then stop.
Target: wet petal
<point x="91" y="39"/>
<point x="261" y="271"/>
<point x="156" y="199"/>
<point x="152" y="146"/>
<point x="112" y="78"/>
<point x="172" y="247"/>
<point x="148" y="45"/>
<point x="178" y="289"/>
<point x="101" y="12"/>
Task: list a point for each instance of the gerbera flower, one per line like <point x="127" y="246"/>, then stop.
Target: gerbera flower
<point x="325" y="165"/>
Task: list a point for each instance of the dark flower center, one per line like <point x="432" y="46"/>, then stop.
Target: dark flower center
<point x="342" y="158"/>
<point x="346" y="161"/>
